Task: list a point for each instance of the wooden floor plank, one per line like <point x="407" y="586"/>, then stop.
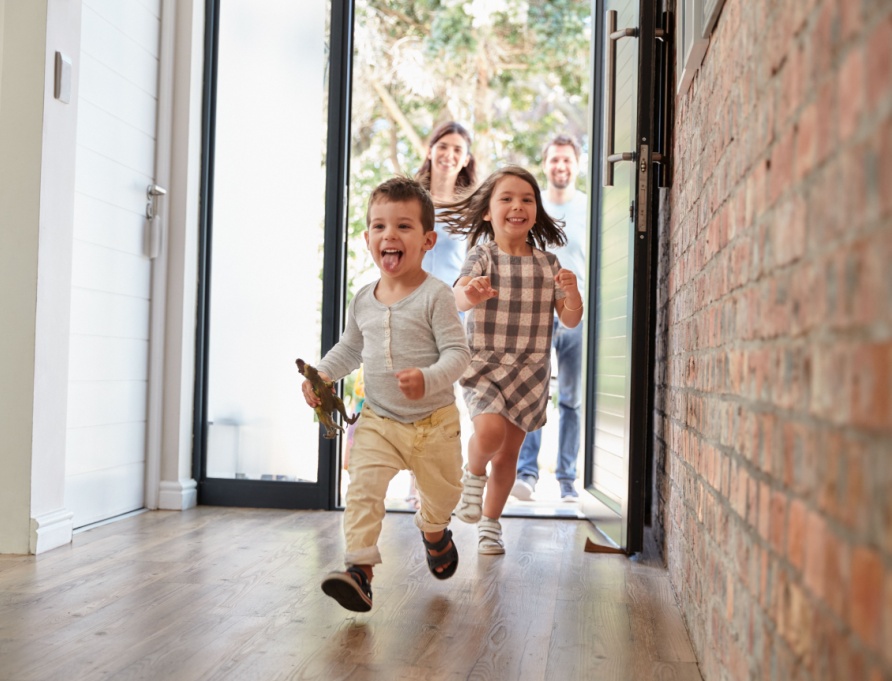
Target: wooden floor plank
<point x="233" y="594"/>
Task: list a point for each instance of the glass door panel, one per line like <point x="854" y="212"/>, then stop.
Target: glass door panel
<point x="265" y="239"/>
<point x="622" y="395"/>
<point x="614" y="293"/>
<point x="513" y="75"/>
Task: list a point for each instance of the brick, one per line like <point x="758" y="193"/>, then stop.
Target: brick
<point x="827" y="141"/>
<point x="882" y="195"/>
<point x="868" y="261"/>
<point x="752" y="501"/>
<point x="878" y="472"/>
<point x="850" y="82"/>
<point x="738" y="496"/>
<point x="808" y="458"/>
<point x="858" y="191"/>
<point x="854" y="486"/>
<point x="778" y="526"/>
<point x="871" y="386"/>
<point x="886" y="631"/>
<point x="829" y="492"/>
<point x="823" y="207"/>
<point x="837" y="571"/>
<point x="815" y="564"/>
<point x="780" y="173"/>
<point x="866" y="594"/>
<point x="851" y="22"/>
<point x="788" y="236"/>
<point x="764" y="510"/>
<point x="879" y="64"/>
<point x="793" y="86"/>
<point x="822" y="42"/>
<point x="829" y="399"/>
<point x="796" y="534"/>
<point x="806" y="144"/>
<point x="795" y="617"/>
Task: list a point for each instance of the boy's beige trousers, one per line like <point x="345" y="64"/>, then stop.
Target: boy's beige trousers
<point x="430" y="448"/>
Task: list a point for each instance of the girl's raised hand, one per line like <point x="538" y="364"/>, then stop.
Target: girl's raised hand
<point x="411" y="383"/>
<point x="479" y="289"/>
<point x="567" y="281"/>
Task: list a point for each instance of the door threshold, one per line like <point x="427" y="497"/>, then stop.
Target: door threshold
<point x="113" y="519"/>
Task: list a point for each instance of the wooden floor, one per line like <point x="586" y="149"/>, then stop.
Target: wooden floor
<point x="216" y="593"/>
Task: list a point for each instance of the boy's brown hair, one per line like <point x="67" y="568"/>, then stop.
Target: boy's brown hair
<point x="401" y="189"/>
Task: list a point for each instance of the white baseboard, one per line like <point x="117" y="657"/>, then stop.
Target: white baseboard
<point x="51" y="530"/>
<point x="178" y="495"/>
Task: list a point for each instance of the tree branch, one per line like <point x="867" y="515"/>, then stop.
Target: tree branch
<point x="397" y="114"/>
<point x="403" y="18"/>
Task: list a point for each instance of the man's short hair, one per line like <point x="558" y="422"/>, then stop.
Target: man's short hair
<point x="401" y="189"/>
<point x="562" y="141"/>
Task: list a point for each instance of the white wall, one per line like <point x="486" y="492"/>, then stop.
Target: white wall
<point x="37" y="154"/>
<point x="36" y="197"/>
<point x="50" y="521"/>
<point x="2" y="14"/>
<point x="22" y="51"/>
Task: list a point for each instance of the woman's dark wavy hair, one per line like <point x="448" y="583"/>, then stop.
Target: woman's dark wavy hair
<point x="465" y="216"/>
<point x="467" y="176"/>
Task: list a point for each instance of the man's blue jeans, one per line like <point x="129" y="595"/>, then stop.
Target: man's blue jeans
<point x="568" y="347"/>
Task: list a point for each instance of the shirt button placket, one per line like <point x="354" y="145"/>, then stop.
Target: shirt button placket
<point x="388" y="356"/>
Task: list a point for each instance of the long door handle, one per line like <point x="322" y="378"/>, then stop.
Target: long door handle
<point x="613" y="36"/>
<point x="664" y="35"/>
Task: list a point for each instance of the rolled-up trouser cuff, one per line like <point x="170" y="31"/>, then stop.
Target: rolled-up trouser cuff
<point x="367" y="556"/>
<point x="426" y="526"/>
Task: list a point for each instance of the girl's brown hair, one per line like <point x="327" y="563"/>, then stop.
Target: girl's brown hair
<point x="465" y="216"/>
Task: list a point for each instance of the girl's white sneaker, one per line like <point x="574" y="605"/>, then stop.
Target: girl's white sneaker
<point x="489" y="537"/>
<point x="470" y="508"/>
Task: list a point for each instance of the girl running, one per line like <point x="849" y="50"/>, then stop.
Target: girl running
<point x="511" y="289"/>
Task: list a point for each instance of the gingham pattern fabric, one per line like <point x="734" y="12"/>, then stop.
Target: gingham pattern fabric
<point x="510" y="335"/>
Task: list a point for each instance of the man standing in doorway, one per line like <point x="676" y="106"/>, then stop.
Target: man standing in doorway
<point x="562" y="202"/>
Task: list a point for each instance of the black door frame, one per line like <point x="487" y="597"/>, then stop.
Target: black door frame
<point x="321" y="494"/>
<point x="630" y="535"/>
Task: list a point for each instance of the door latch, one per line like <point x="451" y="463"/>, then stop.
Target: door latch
<point x="153" y="234"/>
<point x="153" y="191"/>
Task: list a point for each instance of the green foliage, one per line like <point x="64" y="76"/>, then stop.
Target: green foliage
<point x="514" y="72"/>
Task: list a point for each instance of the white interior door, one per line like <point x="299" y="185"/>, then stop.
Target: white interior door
<point x="111" y="274"/>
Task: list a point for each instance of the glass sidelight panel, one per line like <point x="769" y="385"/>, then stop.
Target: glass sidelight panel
<point x="264" y="269"/>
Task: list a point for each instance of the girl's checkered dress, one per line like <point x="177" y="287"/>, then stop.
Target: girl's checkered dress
<point x="510" y="335"/>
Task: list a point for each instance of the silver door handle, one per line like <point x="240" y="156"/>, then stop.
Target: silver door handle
<point x="153" y="235"/>
<point x="153" y="191"/>
<point x="613" y="36"/>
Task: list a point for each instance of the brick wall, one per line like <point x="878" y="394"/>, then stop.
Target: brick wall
<point x="774" y="417"/>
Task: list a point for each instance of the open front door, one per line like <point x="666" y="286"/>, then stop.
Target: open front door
<point x="619" y="399"/>
<point x="272" y="247"/>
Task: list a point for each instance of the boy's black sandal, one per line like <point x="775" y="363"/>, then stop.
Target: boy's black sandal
<point x="353" y="594"/>
<point x="449" y="558"/>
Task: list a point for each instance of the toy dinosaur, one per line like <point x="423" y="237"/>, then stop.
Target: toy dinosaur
<point x="330" y="402"/>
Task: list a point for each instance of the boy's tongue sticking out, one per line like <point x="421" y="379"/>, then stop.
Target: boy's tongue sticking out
<point x="390" y="259"/>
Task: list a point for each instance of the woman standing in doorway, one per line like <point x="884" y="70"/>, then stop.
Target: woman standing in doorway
<point x="448" y="172"/>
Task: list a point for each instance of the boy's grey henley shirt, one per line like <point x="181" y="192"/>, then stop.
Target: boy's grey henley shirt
<point x="421" y="331"/>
